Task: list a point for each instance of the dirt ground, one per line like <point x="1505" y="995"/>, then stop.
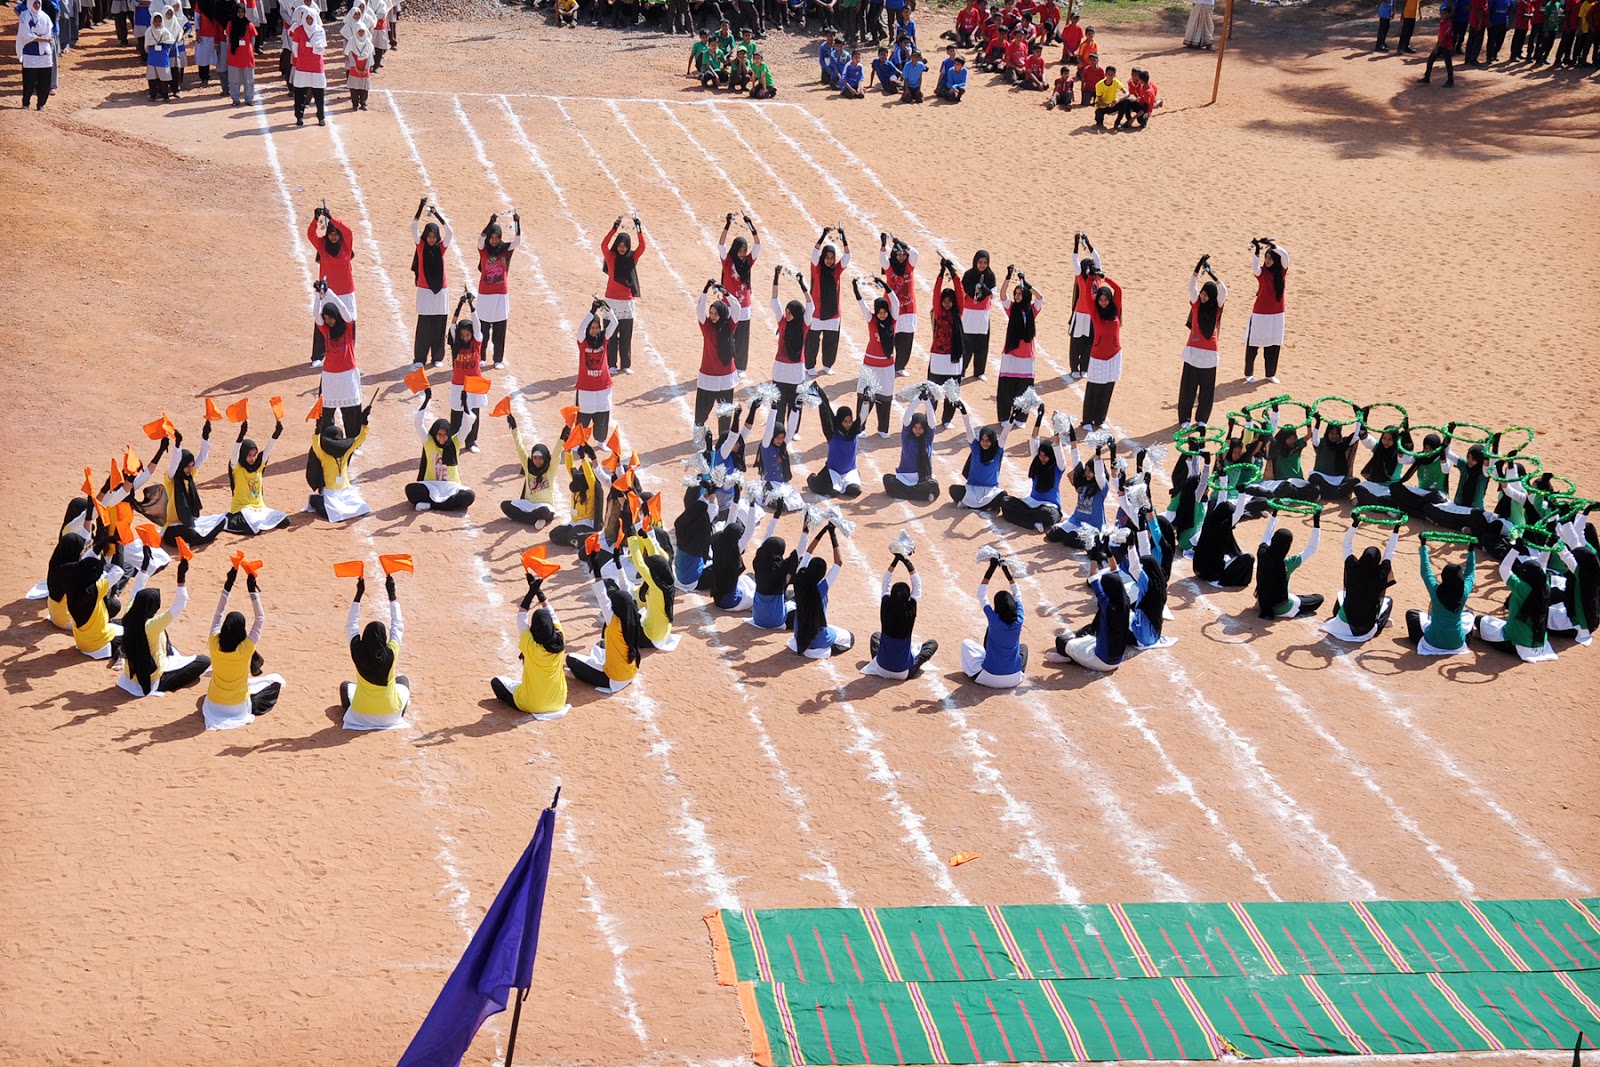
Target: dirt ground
<point x="293" y="893"/>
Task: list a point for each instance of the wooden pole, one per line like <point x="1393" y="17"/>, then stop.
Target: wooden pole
<point x="516" y="1017"/>
<point x="1222" y="46"/>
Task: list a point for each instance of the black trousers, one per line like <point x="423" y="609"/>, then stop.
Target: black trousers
<point x="975" y="353"/>
<point x="347" y="691"/>
<point x="1547" y="40"/>
<point x="619" y="350"/>
<point x="1449" y="79"/>
<point x="1407" y="28"/>
<point x="1383" y="33"/>
<point x="1097" y="402"/>
<point x="705" y="400"/>
<point x="1474" y="45"/>
<point x="457" y="417"/>
<point x="417" y="493"/>
<point x="902" y="351"/>
<point x="35" y="82"/>
<point x="949" y="411"/>
<point x="589" y="675"/>
<point x="1078" y="354"/>
<point x="1196" y="393"/>
<point x="881" y="404"/>
<point x="503" y="693"/>
<point x="428" y="348"/>
<point x="598" y="424"/>
<point x="303" y="95"/>
<point x="538" y="517"/>
<point x="741" y="330"/>
<point x="1029" y="516"/>
<point x="925" y="491"/>
<point x="1273" y="350"/>
<point x="169" y="537"/>
<point x="821" y="483"/>
<point x="1006" y="392"/>
<point x="825" y="341"/>
<point x="494" y="339"/>
<point x="1519" y="38"/>
<point x="1497" y="37"/>
<point x="183" y="677"/>
<point x="1414" y="626"/>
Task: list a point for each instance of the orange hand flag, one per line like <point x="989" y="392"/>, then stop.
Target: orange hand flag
<point x="633" y="459"/>
<point x="149" y="535"/>
<point x="88" y="481"/>
<point x="634" y="505"/>
<point x="577" y="438"/>
<point x="184" y="551"/>
<point x="610" y="462"/>
<point x="395" y="563"/>
<point x="614" y="442"/>
<point x="569" y="415"/>
<point x="249" y="566"/>
<point x="591" y="544"/>
<point x="534" y="563"/>
<point x="131" y="463"/>
<point x="158" y="429"/>
<point x="276" y="404"/>
<point x="316" y="411"/>
<point x="962" y="857"/>
<point x="116" y="475"/>
<point x="624" y="482"/>
<point x="212" y="414"/>
<point x="125" y="533"/>
<point x="350" y="568"/>
<point x="655" y="509"/>
<point x="502" y="409"/>
<point x="476" y="385"/>
<point x="239" y="410"/>
<point x="417" y="380"/>
<point x="103" y="513"/>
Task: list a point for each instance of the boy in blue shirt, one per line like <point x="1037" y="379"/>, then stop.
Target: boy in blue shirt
<point x="955" y="83"/>
<point x="912" y="74"/>
<point x="1385" y="13"/>
<point x="944" y="69"/>
<point x="886" y="72"/>
<point x="830" y="57"/>
<point x="850" y="78"/>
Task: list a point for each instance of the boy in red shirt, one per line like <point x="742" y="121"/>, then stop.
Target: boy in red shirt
<point x="1016" y="58"/>
<point x="1089" y="75"/>
<point x="1522" y="14"/>
<point x="1033" y="69"/>
<point x="1072" y="38"/>
<point x="1442" y="49"/>
<point x="1049" y="16"/>
<point x="1061" y="92"/>
<point x="968" y="20"/>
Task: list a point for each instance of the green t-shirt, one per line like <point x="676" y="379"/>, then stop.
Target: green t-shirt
<point x="763" y="75"/>
<point x="701" y="53"/>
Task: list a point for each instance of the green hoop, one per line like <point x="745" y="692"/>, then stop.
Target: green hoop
<point x="1524" y="430"/>
<point x="1221" y="483"/>
<point x="1546" y="540"/>
<point x="1288" y="505"/>
<point x="1303" y="423"/>
<point x="1420" y="431"/>
<point x="1447" y="537"/>
<point x="1377" y="515"/>
<point x="1260" y="404"/>
<point x="1570" y="490"/>
<point x="1485" y="435"/>
<point x="1366" y="419"/>
<point x="1317" y="412"/>
<point x="1211" y="436"/>
<point x="1537" y="464"/>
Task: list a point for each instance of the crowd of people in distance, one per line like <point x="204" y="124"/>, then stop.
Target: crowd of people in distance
<point x="1476" y="31"/>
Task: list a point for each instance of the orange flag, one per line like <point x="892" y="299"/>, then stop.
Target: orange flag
<point x="610" y="462"/>
<point x="634" y="506"/>
<point x="624" y="482"/>
<point x="316" y="411"/>
<point x="395" y="563"/>
<point x="131" y="463"/>
<point x="88" y="481"/>
<point x="962" y="857"/>
<point x="149" y="535"/>
<point x="569" y="415"/>
<point x="184" y="551"/>
<point x="577" y="438"/>
<point x="103" y="513"/>
<point x="417" y="380"/>
<point x="239" y="410"/>
<point x="249" y="566"/>
<point x="533" y="562"/>
<point x="633" y="459"/>
<point x="655" y="509"/>
<point x="125" y="534"/>
<point x="476" y="385"/>
<point x="502" y="409"/>
<point x="614" y="442"/>
<point x="158" y="429"/>
<point x="276" y="404"/>
<point x="116" y="475"/>
<point x="351" y="568"/>
<point x="212" y="414"/>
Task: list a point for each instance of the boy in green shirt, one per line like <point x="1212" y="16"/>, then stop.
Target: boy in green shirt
<point x="761" y="86"/>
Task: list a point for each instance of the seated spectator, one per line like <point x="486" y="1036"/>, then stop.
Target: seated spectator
<point x="1142" y="99"/>
<point x="1108" y="95"/>
<point x="911" y="75"/>
<point x="1061" y="92"/>
<point x="955" y="83"/>
<point x="851" y="78"/>
<point x="1016" y="64"/>
<point x="762" y="86"/>
<point x="1071" y="39"/>
<point x="885" y="72"/>
<point x="1089" y="75"/>
<point x="1033" y="76"/>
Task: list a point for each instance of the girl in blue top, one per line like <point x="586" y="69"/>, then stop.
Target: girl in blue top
<point x="813" y="637"/>
<point x="1041" y="508"/>
<point x="1101" y="645"/>
<point x="773" y="569"/>
<point x="773" y="456"/>
<point x="730" y="588"/>
<point x="986" y="452"/>
<point x="1443" y="630"/>
<point x="998" y="661"/>
<point x="896" y="653"/>
<point x="1092" y="480"/>
<point x="913" y="476"/>
<point x="842" y="428"/>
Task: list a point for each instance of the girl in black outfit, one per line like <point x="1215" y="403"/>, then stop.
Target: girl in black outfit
<point x="977" y="284"/>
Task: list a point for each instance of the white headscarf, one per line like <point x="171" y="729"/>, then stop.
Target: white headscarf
<point x="360" y="45"/>
<point x="358" y="16"/>
<point x="158" y="35"/>
<point x="33" y="22"/>
<point x="311" y="19"/>
<point x="176" y="25"/>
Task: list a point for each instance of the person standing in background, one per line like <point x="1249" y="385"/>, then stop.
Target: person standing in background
<point x="1499" y="23"/>
<point x="36" y="50"/>
<point x="1202" y="24"/>
<point x="1477" y="28"/>
<point x="1522" y="21"/>
<point x="1408" y="26"/>
<point x="1385" y="16"/>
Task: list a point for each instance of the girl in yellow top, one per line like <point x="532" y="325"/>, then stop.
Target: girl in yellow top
<point x="333" y="495"/>
<point x="184" y="516"/>
<point x="378" y="698"/>
<point x="249" y="514"/>
<point x="584" y="483"/>
<point x="438" y="484"/>
<point x="150" y="663"/>
<point x="91" y="605"/>
<point x="612" y="665"/>
<point x="542" y="693"/>
<point x="656" y="590"/>
<point x="239" y="691"/>
<point x="536" y="506"/>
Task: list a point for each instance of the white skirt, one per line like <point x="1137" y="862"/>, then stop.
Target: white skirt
<point x="979" y="496"/>
<point x="104" y="651"/>
<point x="432" y="303"/>
<point x="943" y="363"/>
<point x="594" y="401"/>
<point x="788" y="373"/>
<point x="307" y="79"/>
<point x="132" y="556"/>
<point x="354" y="720"/>
<point x="341" y="388"/>
<point x="906" y="323"/>
<point x="440" y="492"/>
<point x="1200" y="358"/>
<point x="1494" y="629"/>
<point x="1105" y="371"/>
<point x="1337" y="627"/>
<point x="1560" y="621"/>
<point x="975" y="321"/>
<point x="461" y="400"/>
<point x="129" y="686"/>
<point x="201" y="526"/>
<point x="882" y="379"/>
<point x="260" y="520"/>
<point x="1263" y="330"/>
<point x="825" y="325"/>
<point x="346" y="503"/>
<point x="205" y="53"/>
<point x="1468" y="620"/>
<point x="1080" y="650"/>
<point x="841" y="482"/>
<point x="596" y="658"/>
<point x="972" y="666"/>
<point x="718" y="383"/>
<point x="494" y="307"/>
<point x="622" y="309"/>
<point x="233" y="716"/>
<point x="1082" y="324"/>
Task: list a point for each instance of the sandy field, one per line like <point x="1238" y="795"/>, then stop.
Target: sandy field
<point x="293" y="893"/>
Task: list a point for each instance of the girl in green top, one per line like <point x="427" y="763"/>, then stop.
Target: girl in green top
<point x="1275" y="566"/>
<point x="1525" y="629"/>
<point x="1443" y="630"/>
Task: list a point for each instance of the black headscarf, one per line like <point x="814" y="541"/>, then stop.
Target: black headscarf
<point x="1365" y="578"/>
<point x="542" y="628"/>
<point x="1535" y="612"/>
<point x="973" y="278"/>
<point x="1113" y="617"/>
<point x="1044" y="472"/>
<point x="1020" y="323"/>
<point x="431" y="257"/>
<point x="661" y="577"/>
<point x="722" y="333"/>
<point x="186" y="494"/>
<point x="773" y="566"/>
<point x="1154" y="601"/>
<point x="1583" y="585"/>
<point x="958" y="336"/>
<point x="1272" y="576"/>
<point x="1215" y="545"/>
<point x="623" y="269"/>
<point x="135" y="641"/>
<point x="1005" y="606"/>
<point x="424" y="474"/>
<point x="923" y="444"/>
<point x="693" y="524"/>
<point x="237" y="24"/>
<point x="810" y="613"/>
<point x="371" y="654"/>
<point x="492" y="242"/>
<point x="1110" y="311"/>
<point x="988" y="452"/>
<point x="827" y="287"/>
<point x="336" y="331"/>
<point x="793" y="339"/>
<point x="246" y="446"/>
<point x="332" y="242"/>
<point x="896" y="265"/>
<point x="579" y="485"/>
<point x="68" y="569"/>
<point x="1385" y="460"/>
<point x="884" y="328"/>
<point x="1471" y="476"/>
<point x="233" y="631"/>
<point x="897" y="612"/>
<point x="739" y="257"/>
<point x="1205" y="311"/>
<point x="1167" y="536"/>
<point x="627" y="616"/>
<point x="727" y="560"/>
<point x="1272" y="263"/>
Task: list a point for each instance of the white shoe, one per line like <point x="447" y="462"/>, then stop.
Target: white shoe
<point x="1251" y="378"/>
<point x="1055" y="657"/>
<point x="423" y="505"/>
<point x="1038" y="527"/>
<point x="883" y="435"/>
<point x="316" y="364"/>
<point x="825" y="370"/>
<point x="1273" y="378"/>
<point x="983" y="377"/>
<point x="499" y="363"/>
<point x="472" y="448"/>
<point x="900" y="373"/>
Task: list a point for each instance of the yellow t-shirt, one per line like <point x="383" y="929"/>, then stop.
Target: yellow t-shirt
<point x="544" y="679"/>
<point x="532" y="493"/>
<point x="652" y="605"/>
<point x="1411" y="9"/>
<point x="433" y="462"/>
<point x="60" y="617"/>
<point x="230" y="672"/>
<point x="1106" y="93"/>
<point x="336" y="472"/>
<point x="582" y="510"/>
<point x="247" y="488"/>
<point x="618" y="667"/>
<point x="155" y="635"/>
<point x="379" y="700"/>
<point x="95" y="634"/>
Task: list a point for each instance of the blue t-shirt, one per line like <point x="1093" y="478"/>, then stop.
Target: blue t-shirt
<point x="842" y="447"/>
<point x="1002" y="653"/>
<point x="885" y="70"/>
<point x="770" y="611"/>
<point x="1046" y="489"/>
<point x="913" y="73"/>
<point x="912" y="450"/>
<point x="957" y="78"/>
<point x="1091" y="509"/>
<point x="980" y="474"/>
<point x="851" y="77"/>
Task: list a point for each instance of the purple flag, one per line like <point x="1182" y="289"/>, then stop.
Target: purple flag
<point x="499" y="959"/>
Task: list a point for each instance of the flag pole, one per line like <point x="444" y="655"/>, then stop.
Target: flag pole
<point x="522" y="994"/>
<point x="1222" y="46"/>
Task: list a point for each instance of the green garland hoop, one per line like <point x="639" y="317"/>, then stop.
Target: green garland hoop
<point x="1484" y="434"/>
<point x="1419" y="432"/>
<point x="1265" y="404"/>
<point x="1303" y="423"/>
<point x="1221" y="480"/>
<point x="1211" y="436"/>
<point x="1355" y="412"/>
<point x="1538" y="538"/>
<point x="1366" y="420"/>
<point x="1570" y="489"/>
<point x="1568" y="505"/>
<point x="1527" y="432"/>
<point x="1377" y="515"/>
<point x="1525" y="461"/>
<point x="1290" y="506"/>
<point x="1447" y="537"/>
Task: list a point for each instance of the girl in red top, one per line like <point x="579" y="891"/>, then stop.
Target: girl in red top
<point x="308" y="39"/>
<point x="466" y="360"/>
<point x="433" y="287"/>
<point x="594" y="369"/>
<point x="718" y="358"/>
<point x="827" y="269"/>
<point x="1200" y="353"/>
<point x="494" y="275"/>
<point x="899" y="265"/>
<point x="1105" y="353"/>
<point x="620" y="260"/>
<point x="877" y="363"/>
<point x="947" y="352"/>
<point x="335" y="323"/>
<point x="241" y="57"/>
<point x="1088" y="280"/>
<point x="738" y="259"/>
<point x="207" y="54"/>
<point x="789" y="363"/>
<point x="335" y="251"/>
<point x="1017" y="352"/>
<point x="976" y="293"/>
<point x="358" y="67"/>
<point x="1270" y="262"/>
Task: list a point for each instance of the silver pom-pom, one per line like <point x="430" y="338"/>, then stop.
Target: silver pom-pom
<point x="1098" y="439"/>
<point x="952" y="391"/>
<point x="1137" y="496"/>
<point x="753" y="491"/>
<point x="697" y="464"/>
<point x="1029" y="402"/>
<point x="1061" y="424"/>
<point x="988" y="552"/>
<point x="719" y="477"/>
<point x="1014" y="565"/>
<point x="766" y="393"/>
<point x="911" y="393"/>
<point x="837" y="520"/>
<point x="812" y="397"/>
<point x="1121" y="465"/>
<point x="788" y="496"/>
<point x="1155" y="457"/>
<point x="1115" y="535"/>
<point x="724" y="410"/>
<point x="693" y="479"/>
<point x="867" y="386"/>
<point x="902" y="545"/>
<point x="816" y="518"/>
